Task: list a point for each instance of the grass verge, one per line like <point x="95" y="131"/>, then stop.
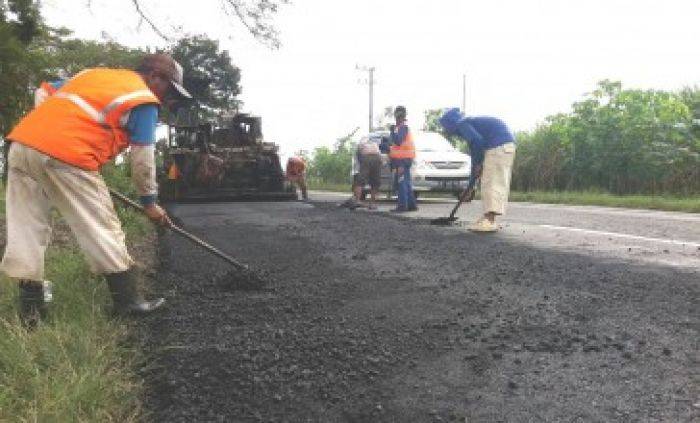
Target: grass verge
<point x="667" y="203"/>
<point x="324" y="186"/>
<point x="78" y="365"/>
<point x="689" y="204"/>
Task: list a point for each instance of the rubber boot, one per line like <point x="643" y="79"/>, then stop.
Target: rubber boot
<point x="126" y="297"/>
<point x="32" y="308"/>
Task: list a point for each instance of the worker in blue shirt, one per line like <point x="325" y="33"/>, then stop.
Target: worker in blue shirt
<point x="402" y="152"/>
<point x="492" y="149"/>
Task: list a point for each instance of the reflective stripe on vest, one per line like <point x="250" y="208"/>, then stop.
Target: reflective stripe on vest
<point x="84" y="105"/>
<point x="406" y="150"/>
<point x="101" y="117"/>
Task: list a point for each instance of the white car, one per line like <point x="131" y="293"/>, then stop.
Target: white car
<point x="438" y="166"/>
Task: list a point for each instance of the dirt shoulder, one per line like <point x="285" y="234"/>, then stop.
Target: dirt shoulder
<point x="373" y="318"/>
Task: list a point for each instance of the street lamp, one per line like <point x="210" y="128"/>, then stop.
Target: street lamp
<point x="464" y="93"/>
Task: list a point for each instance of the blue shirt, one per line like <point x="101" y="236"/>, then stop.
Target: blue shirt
<point x="141" y="125"/>
<point x="483" y="133"/>
<point x="57" y="84"/>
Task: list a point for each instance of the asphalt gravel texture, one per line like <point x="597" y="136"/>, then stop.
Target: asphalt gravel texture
<point x="369" y="317"/>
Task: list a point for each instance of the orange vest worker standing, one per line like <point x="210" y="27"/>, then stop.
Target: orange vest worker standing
<point x="402" y="152"/>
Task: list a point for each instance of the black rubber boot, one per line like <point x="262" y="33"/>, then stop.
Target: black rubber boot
<point x="32" y="308"/>
<point x="126" y="297"/>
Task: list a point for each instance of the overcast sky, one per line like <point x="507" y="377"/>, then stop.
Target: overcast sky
<point x="523" y="59"/>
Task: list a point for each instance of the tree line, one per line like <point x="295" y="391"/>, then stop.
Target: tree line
<point x="622" y="141"/>
<point x="31" y="52"/>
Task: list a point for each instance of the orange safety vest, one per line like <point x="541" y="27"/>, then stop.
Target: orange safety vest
<point x="407" y="150"/>
<point x="80" y="124"/>
<point x="295" y="166"/>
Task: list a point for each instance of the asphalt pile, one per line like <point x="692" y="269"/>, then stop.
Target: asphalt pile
<point x="369" y="317"/>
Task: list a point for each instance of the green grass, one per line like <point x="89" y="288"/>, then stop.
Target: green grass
<point x="78" y="366"/>
<point x="327" y="186"/>
<point x="668" y="203"/>
<point x="74" y="367"/>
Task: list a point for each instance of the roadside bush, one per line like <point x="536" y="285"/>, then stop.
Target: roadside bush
<point x="617" y="141"/>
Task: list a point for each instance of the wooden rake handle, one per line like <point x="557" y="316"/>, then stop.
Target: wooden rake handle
<point x="178" y="230"/>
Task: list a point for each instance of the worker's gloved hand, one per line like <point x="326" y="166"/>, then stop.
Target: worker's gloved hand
<point x="157" y="215"/>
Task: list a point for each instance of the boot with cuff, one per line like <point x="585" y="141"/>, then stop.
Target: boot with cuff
<point x="126" y="297"/>
<point x="32" y="306"/>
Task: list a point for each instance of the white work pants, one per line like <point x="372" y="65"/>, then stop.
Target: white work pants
<point x="495" y="179"/>
<point x="36" y="183"/>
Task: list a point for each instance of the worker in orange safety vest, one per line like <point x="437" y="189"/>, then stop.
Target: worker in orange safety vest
<point x="402" y="152"/>
<point x="296" y="174"/>
<point x="54" y="158"/>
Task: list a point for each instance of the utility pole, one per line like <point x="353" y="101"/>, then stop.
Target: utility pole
<point x="464" y="93"/>
<point x="370" y="82"/>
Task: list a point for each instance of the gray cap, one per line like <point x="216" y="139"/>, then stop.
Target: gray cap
<point x="168" y="67"/>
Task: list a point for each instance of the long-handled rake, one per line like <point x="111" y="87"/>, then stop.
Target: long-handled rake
<point x="243" y="273"/>
<point x="465" y="197"/>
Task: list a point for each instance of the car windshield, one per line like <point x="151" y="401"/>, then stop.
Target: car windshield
<point x="432" y="141"/>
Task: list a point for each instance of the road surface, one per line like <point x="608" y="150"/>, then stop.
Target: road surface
<point x="650" y="236"/>
<point x="567" y="314"/>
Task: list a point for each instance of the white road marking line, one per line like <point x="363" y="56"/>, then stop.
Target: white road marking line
<point x="619" y="235"/>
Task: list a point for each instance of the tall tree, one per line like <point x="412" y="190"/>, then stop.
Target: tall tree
<point x="66" y="57"/>
<point x="209" y="76"/>
<point x="20" y="24"/>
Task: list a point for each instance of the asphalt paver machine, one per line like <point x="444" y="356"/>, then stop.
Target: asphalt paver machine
<point x="224" y="161"/>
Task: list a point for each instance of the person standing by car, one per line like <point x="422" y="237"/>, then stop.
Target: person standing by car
<point x="402" y="151"/>
<point x="492" y="148"/>
<point x="296" y="174"/>
<point x="55" y="155"/>
<point x="370" y="161"/>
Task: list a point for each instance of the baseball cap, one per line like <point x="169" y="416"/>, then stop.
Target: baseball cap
<point x="168" y="67"/>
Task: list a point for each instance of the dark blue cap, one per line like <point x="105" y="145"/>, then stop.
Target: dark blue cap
<point x="450" y="118"/>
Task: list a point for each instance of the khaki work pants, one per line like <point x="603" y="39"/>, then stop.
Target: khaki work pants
<point x="495" y="179"/>
<point x="36" y="183"/>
